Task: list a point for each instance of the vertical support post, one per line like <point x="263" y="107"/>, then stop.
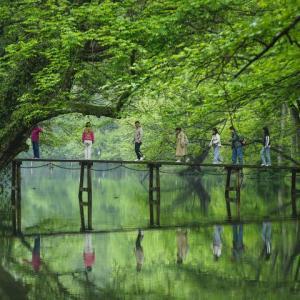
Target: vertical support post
<point x="238" y="192"/>
<point x="19" y="208"/>
<point x="13" y="198"/>
<point x="293" y="193"/>
<point x="227" y="190"/>
<point x="81" y="210"/>
<point x="151" y="194"/>
<point x="157" y="195"/>
<point x="90" y="194"/>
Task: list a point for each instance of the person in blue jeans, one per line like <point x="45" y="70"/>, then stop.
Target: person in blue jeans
<point x="238" y="246"/>
<point x="237" y="147"/>
<point x="265" y="151"/>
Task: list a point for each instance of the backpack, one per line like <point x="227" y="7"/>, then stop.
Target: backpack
<point x="242" y="140"/>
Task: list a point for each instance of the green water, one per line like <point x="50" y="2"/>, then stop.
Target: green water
<point x="190" y="206"/>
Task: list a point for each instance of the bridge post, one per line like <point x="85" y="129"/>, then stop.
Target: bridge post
<point x="13" y="197"/>
<point x="157" y="195"/>
<point x="16" y="197"/>
<point x="294" y="193"/>
<point x="81" y="188"/>
<point x="90" y="195"/>
<point x="88" y="189"/>
<point x="19" y="219"/>
<point x="238" y="192"/>
<point x="227" y="190"/>
<point x="151" y="194"/>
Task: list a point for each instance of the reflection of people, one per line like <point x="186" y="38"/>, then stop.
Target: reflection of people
<point x="217" y="241"/>
<point x="36" y="255"/>
<point x="88" y="252"/>
<point x="139" y="252"/>
<point x="266" y="236"/>
<point x="182" y="245"/>
<point x="35" y="141"/>
<point x="237" y="241"/>
<point x="88" y="140"/>
<point x="181" y="144"/>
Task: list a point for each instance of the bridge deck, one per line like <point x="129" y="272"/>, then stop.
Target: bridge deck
<point x="161" y="163"/>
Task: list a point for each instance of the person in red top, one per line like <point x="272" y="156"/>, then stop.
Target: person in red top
<point x="35" y="140"/>
<point x="88" y="253"/>
<point x="88" y="140"/>
<point x="36" y="255"/>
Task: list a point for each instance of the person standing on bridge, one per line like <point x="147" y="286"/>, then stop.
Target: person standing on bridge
<point x="265" y="151"/>
<point x="237" y="143"/>
<point x="88" y="140"/>
<point x="35" y="141"/>
<point x="216" y="144"/>
<point x="138" y="137"/>
<point x="181" y="145"/>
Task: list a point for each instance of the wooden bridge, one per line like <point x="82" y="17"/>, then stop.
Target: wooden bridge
<point x="232" y="188"/>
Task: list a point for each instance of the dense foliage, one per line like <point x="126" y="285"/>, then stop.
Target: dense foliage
<point x="196" y="64"/>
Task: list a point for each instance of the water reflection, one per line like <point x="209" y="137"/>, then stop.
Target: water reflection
<point x="244" y="273"/>
<point x="266" y="236"/>
<point x="217" y="241"/>
<point x="139" y="252"/>
<point x="88" y="252"/>
<point x="182" y="245"/>
<point x="238" y="246"/>
<point x="36" y="255"/>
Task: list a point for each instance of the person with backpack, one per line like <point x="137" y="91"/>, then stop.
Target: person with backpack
<point x="216" y="144"/>
<point x="88" y="140"/>
<point x="265" y="151"/>
<point x="181" y="145"/>
<point x="237" y="143"/>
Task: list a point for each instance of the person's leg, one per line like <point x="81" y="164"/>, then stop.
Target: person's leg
<point x="239" y="152"/>
<point x="90" y="149"/>
<point x="140" y="152"/>
<point x="234" y="156"/>
<point x="215" y="161"/>
<point x="137" y="150"/>
<point x="35" y="147"/>
<point x="85" y="150"/>
<point x="268" y="156"/>
<point x="262" y="155"/>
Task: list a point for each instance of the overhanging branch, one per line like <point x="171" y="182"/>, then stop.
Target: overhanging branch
<point x="269" y="46"/>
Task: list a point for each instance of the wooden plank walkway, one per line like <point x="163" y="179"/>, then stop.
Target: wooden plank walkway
<point x="233" y="184"/>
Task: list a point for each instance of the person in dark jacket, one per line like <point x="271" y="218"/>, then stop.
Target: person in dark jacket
<point x="237" y="147"/>
<point x="265" y="151"/>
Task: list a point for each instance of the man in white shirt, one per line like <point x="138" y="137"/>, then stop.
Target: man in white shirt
<point x="138" y="136"/>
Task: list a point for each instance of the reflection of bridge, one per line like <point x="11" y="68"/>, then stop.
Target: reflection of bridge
<point x="232" y="185"/>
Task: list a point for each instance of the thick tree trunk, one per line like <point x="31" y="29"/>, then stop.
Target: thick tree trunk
<point x="13" y="137"/>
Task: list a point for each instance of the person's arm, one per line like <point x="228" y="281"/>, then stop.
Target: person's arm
<point x="217" y="140"/>
<point x="141" y="134"/>
<point x="181" y="137"/>
<point x="267" y="141"/>
<point x="92" y="135"/>
<point x="83" y="136"/>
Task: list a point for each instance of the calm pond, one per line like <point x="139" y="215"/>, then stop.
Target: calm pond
<point x="196" y="254"/>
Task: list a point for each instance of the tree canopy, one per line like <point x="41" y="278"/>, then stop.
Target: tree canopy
<point x="197" y="64"/>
